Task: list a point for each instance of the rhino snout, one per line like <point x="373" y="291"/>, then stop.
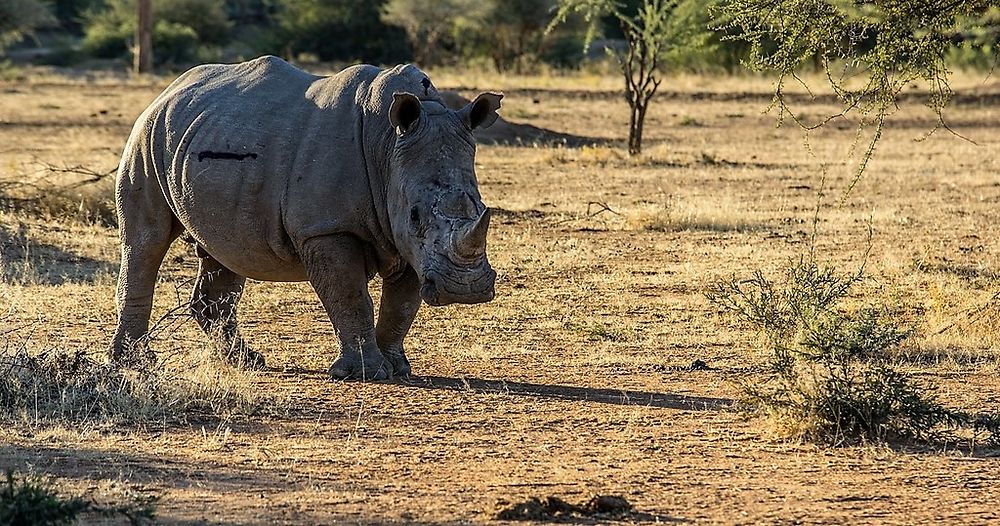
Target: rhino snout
<point x="439" y="289"/>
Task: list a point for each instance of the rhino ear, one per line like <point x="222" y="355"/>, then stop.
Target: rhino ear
<point x="482" y="112"/>
<point x="404" y="111"/>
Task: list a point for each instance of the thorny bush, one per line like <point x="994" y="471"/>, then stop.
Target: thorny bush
<point x="829" y="375"/>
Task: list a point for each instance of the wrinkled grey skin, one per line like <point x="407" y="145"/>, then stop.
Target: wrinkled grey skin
<point x="279" y="175"/>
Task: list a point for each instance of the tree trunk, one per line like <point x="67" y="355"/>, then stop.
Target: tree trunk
<point x="143" y="52"/>
<point x="636" y="120"/>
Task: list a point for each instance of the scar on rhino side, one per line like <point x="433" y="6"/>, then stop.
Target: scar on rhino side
<point x="225" y="155"/>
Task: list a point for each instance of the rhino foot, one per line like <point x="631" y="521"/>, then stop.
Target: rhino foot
<point x="354" y="368"/>
<point x="132" y="355"/>
<point x="238" y="354"/>
<point x="400" y="365"/>
<point x="246" y="359"/>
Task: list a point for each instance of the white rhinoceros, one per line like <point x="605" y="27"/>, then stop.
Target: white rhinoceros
<point x="280" y="175"/>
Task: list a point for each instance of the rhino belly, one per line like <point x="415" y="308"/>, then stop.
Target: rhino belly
<point x="230" y="203"/>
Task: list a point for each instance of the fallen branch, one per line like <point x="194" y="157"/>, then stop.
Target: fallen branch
<point x="601" y="207"/>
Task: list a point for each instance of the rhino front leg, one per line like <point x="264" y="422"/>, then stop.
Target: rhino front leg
<point x="216" y="293"/>
<point x="400" y="302"/>
<point x="336" y="266"/>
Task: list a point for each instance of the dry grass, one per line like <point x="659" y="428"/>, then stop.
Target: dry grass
<point x="722" y="215"/>
<point x="43" y="383"/>
<point x="575" y="380"/>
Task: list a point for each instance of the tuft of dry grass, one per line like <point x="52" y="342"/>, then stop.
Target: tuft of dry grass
<point x="56" y="385"/>
<point x="676" y="215"/>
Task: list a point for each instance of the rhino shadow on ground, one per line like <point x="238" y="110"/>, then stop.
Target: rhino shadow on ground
<point x="572" y="393"/>
<point x="26" y="260"/>
<point x="507" y="133"/>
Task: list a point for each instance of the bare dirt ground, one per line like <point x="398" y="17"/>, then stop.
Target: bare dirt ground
<point x="575" y="380"/>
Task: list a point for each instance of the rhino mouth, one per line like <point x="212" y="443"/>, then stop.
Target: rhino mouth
<point x="459" y="285"/>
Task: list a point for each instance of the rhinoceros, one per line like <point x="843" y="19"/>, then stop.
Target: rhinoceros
<point x="280" y="175"/>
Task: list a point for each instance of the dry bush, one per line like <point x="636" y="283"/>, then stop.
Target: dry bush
<point x="77" y="193"/>
<point x="58" y="385"/>
<point x="829" y="372"/>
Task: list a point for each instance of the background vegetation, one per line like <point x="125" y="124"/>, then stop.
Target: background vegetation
<point x="506" y="36"/>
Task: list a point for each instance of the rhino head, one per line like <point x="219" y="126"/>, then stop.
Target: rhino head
<point x="438" y="218"/>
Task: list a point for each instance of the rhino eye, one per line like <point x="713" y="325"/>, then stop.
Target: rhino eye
<point x="414" y="216"/>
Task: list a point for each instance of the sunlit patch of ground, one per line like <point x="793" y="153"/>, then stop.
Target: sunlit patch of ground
<point x="575" y="380"/>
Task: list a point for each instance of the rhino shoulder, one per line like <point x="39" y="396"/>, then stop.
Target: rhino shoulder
<point x="408" y="78"/>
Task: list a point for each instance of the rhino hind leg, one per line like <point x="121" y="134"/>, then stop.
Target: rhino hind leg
<point x="147" y="227"/>
<point x="216" y="293"/>
<point x="336" y="266"/>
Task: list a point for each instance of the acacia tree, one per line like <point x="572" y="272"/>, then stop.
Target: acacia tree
<point x="888" y="44"/>
<point x="647" y="41"/>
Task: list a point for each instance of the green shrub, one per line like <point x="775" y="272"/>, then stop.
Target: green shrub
<point x="345" y="30"/>
<point x="19" y="18"/>
<point x="174" y="43"/>
<point x="972" y="55"/>
<point x="183" y="29"/>
<point x="564" y="51"/>
<point x="29" y="501"/>
<point x="829" y="375"/>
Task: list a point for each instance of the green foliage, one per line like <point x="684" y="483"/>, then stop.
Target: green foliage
<point x="183" y="31"/>
<point x="510" y="34"/>
<point x="26" y="501"/>
<point x="888" y="43"/>
<point x="346" y="30"/>
<point x="563" y="50"/>
<point x="706" y="44"/>
<point x="69" y="13"/>
<point x="597" y="332"/>
<point x="430" y="24"/>
<point x="829" y="372"/>
<point x="514" y="32"/>
<point x="976" y="46"/>
<point x="19" y="18"/>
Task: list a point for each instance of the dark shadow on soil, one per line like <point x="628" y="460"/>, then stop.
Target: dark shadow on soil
<point x="26" y="259"/>
<point x="93" y="464"/>
<point x="962" y="271"/>
<point x="506" y="133"/>
<point x="570" y="393"/>
<point x="506" y="216"/>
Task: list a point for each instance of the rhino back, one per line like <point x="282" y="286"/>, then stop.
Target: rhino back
<point x="232" y="141"/>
